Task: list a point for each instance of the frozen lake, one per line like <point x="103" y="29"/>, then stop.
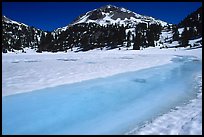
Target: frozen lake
<point x="112" y="105"/>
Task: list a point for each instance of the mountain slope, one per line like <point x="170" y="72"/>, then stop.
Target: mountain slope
<point x="106" y="26"/>
<point x="110" y="14"/>
<point x="193" y="20"/>
<point x="16" y="36"/>
<point x="186" y="33"/>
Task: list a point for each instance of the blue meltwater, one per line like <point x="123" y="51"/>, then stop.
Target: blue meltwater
<point x="111" y="105"/>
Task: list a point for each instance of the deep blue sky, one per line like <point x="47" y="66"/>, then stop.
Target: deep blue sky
<point x="52" y="15"/>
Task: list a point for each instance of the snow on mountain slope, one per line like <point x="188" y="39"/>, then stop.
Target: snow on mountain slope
<point x="110" y="14"/>
<point x="17" y="36"/>
<point x="20" y="24"/>
<point x="166" y="39"/>
<point x="7" y="20"/>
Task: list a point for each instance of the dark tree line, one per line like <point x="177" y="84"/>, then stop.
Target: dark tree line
<point x="85" y="37"/>
<point x="192" y="28"/>
<point x="17" y="37"/>
<point x="90" y="36"/>
<point x="193" y="20"/>
<point x="192" y="25"/>
<point x="146" y="35"/>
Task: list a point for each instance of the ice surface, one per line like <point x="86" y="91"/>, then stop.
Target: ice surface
<point x="52" y="69"/>
<point x="181" y="120"/>
<point x="19" y="76"/>
<point x="111" y="105"/>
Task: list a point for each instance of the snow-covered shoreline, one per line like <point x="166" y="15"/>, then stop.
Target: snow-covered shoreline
<point x="27" y="72"/>
<point x="66" y="68"/>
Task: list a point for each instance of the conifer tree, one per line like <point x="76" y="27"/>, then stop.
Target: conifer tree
<point x="137" y="42"/>
<point x="185" y="37"/>
<point x="175" y="34"/>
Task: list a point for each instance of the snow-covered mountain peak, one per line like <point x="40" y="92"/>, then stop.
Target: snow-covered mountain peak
<point x="108" y="7"/>
<point x="110" y="14"/>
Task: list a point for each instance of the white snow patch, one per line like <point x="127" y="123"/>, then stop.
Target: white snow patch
<point x="192" y="42"/>
<point x="180" y="30"/>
